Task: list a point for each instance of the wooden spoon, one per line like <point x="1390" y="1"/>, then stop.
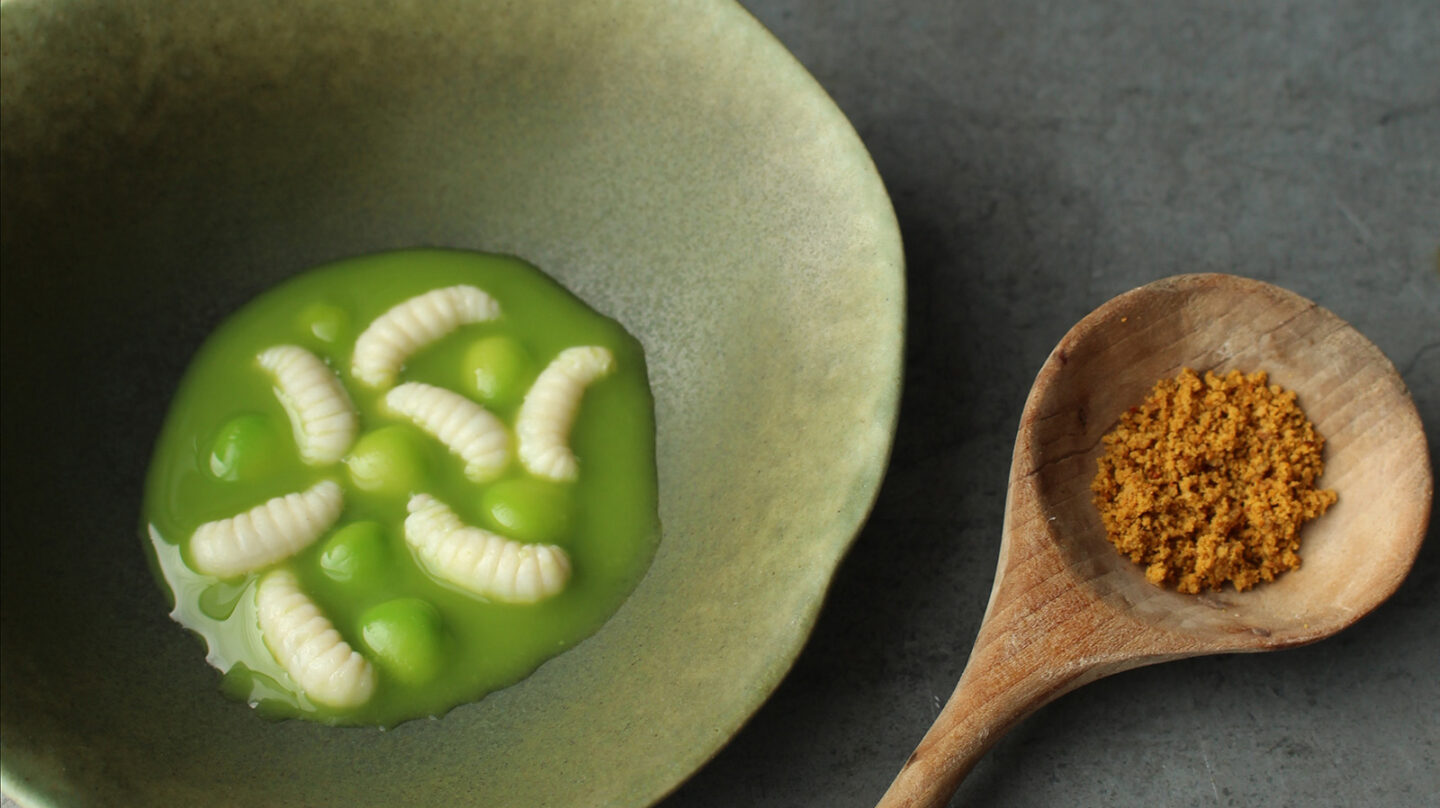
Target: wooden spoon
<point x="1067" y="609"/>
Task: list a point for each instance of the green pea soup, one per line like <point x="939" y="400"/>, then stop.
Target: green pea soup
<point x="228" y="445"/>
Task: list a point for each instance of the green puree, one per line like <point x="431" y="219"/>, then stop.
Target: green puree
<point x="228" y="445"/>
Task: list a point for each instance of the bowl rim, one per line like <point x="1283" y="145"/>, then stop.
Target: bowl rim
<point x="889" y="265"/>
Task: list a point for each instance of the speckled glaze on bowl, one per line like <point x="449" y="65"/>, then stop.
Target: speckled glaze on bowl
<point x="670" y="162"/>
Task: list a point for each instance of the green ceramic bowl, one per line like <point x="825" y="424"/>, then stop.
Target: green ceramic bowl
<point x="163" y="162"/>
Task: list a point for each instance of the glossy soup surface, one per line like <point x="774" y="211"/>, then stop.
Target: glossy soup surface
<point x="229" y="445"/>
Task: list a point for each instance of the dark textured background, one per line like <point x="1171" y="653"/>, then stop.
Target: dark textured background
<point x="1043" y="157"/>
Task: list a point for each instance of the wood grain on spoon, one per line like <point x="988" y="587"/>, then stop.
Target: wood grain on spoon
<point x="1067" y="609"/>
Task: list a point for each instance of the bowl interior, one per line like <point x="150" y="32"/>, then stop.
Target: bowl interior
<point x="674" y="166"/>
<point x="1353" y="557"/>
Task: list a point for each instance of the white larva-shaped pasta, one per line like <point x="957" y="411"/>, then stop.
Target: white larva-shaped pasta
<point x="467" y="429"/>
<point x="316" y="401"/>
<point x="479" y="561"/>
<point x="409" y="326"/>
<point x="271" y="531"/>
<point x="308" y="647"/>
<point x="548" y="411"/>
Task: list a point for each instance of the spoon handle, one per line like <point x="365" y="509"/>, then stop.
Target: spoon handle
<point x="1042" y="636"/>
<point x="995" y="692"/>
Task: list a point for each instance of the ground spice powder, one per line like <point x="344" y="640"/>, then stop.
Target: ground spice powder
<point x="1209" y="481"/>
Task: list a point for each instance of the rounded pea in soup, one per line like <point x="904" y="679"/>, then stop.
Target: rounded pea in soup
<point x="396" y="483"/>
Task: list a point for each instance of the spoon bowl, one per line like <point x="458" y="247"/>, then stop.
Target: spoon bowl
<point x="1067" y="609"/>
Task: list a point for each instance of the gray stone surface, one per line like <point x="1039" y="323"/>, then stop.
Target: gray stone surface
<point x="1042" y="157"/>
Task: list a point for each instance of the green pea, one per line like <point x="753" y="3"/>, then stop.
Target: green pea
<point x="406" y="637"/>
<point x="390" y="462"/>
<point x="529" y="510"/>
<point x="326" y="322"/>
<point x="356" y="552"/>
<point x="247" y="448"/>
<point x="498" y="370"/>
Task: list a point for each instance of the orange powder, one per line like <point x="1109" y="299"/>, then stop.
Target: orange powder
<point x="1209" y="481"/>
